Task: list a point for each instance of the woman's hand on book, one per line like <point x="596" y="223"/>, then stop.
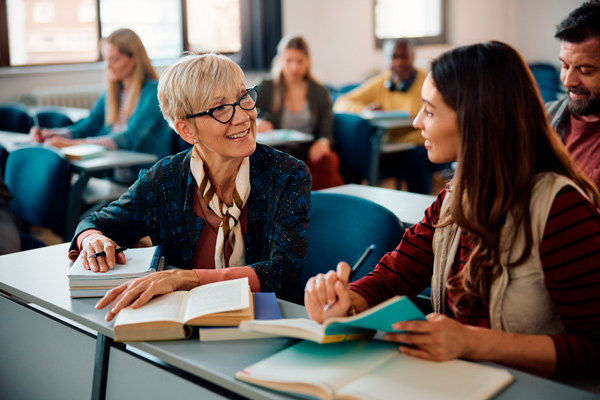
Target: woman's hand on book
<point x="439" y="338"/>
<point x="97" y="243"/>
<point x="138" y="292"/>
<point x="328" y="295"/>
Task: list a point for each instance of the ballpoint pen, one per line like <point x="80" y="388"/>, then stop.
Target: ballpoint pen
<point x="361" y="258"/>
<point x="103" y="254"/>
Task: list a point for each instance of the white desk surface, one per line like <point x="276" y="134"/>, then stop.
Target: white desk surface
<point x="39" y="276"/>
<point x="408" y="207"/>
<point x="281" y="137"/>
<point x="112" y="158"/>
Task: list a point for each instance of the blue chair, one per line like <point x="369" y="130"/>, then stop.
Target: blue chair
<point x="351" y="135"/>
<point x="547" y="78"/>
<point x="341" y="228"/>
<point x="53" y="119"/>
<point x="38" y="178"/>
<point x="15" y="118"/>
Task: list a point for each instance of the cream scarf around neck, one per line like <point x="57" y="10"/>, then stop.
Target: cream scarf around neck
<point x="230" y="229"/>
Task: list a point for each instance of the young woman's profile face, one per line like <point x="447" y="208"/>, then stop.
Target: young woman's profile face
<point x="294" y="64"/>
<point x="438" y="124"/>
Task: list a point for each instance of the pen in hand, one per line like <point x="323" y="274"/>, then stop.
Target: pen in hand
<point x="359" y="261"/>
<point x="103" y="254"/>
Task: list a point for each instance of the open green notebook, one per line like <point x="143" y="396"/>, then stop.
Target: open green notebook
<point x="365" y="324"/>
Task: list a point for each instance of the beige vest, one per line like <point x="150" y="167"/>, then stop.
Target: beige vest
<point x="519" y="300"/>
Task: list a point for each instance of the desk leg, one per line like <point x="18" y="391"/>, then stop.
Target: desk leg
<point x="75" y="202"/>
<point x="103" y="344"/>
<point x="376" y="139"/>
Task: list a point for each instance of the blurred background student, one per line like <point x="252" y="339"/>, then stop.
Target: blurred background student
<point x="9" y="232"/>
<point x="293" y="99"/>
<point x="396" y="89"/>
<point x="127" y="115"/>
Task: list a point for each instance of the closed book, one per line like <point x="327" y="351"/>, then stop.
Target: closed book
<point x="265" y="308"/>
<point x="363" y="325"/>
<point x="76" y="293"/>
<point x="170" y="316"/>
<point x="372" y="370"/>
<point x="139" y="262"/>
<point x="83" y="151"/>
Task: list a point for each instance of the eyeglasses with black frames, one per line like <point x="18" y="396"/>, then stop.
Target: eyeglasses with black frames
<point x="225" y="112"/>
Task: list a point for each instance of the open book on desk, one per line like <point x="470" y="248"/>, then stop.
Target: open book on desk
<point x="380" y="114"/>
<point x="265" y="308"/>
<point x="140" y="262"/>
<point x="364" y="325"/>
<point x="169" y="317"/>
<point x="372" y="370"/>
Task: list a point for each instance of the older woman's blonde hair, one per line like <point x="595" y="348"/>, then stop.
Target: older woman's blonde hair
<point x="128" y="43"/>
<point x="188" y="86"/>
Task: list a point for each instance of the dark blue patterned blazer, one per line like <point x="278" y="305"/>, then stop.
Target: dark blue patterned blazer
<point x="159" y="205"/>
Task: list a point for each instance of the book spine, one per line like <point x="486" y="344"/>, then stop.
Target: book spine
<point x="156" y="264"/>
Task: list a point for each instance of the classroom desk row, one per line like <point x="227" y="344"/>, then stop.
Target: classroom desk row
<point x="83" y="171"/>
<point x="86" y="187"/>
<point x="407" y="206"/>
<point x="54" y="347"/>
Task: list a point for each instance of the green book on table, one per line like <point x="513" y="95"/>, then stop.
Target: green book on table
<point x="372" y="370"/>
<point x="363" y="325"/>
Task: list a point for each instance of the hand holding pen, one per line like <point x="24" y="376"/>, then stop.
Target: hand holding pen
<point x="359" y="261"/>
<point x="99" y="253"/>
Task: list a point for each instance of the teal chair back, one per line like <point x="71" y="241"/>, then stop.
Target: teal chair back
<point x="38" y="178"/>
<point x="53" y="119"/>
<point x="547" y="77"/>
<point x="352" y="138"/>
<point x="15" y="118"/>
<point x="341" y="228"/>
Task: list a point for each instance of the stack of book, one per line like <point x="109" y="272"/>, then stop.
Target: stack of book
<point x="140" y="262"/>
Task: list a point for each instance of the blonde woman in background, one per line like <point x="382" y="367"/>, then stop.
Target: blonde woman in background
<point x="293" y="99"/>
<point x="127" y="115"/>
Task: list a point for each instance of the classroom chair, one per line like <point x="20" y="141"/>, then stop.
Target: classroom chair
<point x="38" y="178"/>
<point x="341" y="228"/>
<point x="53" y="119"/>
<point x="547" y="78"/>
<point x="352" y="138"/>
<point x="15" y="118"/>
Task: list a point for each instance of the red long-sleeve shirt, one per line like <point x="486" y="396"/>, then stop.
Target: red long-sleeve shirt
<point x="570" y="257"/>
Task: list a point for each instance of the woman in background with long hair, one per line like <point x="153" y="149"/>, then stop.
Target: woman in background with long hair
<point x="293" y="99"/>
<point x="127" y="115"/>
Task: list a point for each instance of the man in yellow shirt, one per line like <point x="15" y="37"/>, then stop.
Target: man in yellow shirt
<point x="398" y="88"/>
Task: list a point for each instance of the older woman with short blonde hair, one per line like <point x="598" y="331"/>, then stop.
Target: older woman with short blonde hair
<point x="227" y="208"/>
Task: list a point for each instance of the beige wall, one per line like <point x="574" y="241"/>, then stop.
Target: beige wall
<point x="340" y="33"/>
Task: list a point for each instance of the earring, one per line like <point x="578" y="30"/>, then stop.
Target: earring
<point x="195" y="141"/>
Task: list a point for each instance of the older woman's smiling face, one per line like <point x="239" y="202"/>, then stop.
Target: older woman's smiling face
<point x="234" y="140"/>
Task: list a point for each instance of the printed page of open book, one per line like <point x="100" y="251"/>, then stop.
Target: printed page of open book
<point x="218" y="297"/>
<point x="168" y="307"/>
